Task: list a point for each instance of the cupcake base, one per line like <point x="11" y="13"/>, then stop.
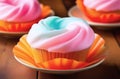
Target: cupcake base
<point x="46" y="56"/>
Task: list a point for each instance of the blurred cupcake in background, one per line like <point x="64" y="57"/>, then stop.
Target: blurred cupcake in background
<point x="60" y="43"/>
<point x="20" y="15"/>
<point x="104" y="11"/>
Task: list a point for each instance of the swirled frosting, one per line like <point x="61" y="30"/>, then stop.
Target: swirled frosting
<point x="19" y="10"/>
<point x="56" y="34"/>
<point x="102" y="5"/>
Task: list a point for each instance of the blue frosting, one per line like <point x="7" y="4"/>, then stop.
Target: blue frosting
<point x="57" y="23"/>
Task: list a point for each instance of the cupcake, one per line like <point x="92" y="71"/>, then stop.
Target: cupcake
<point x="65" y="41"/>
<point x="20" y="15"/>
<point x="104" y="11"/>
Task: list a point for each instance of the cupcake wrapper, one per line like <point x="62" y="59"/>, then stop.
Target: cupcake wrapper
<point x="37" y="57"/>
<point x="45" y="55"/>
<point x="24" y="51"/>
<point x="15" y="27"/>
<point x="66" y="64"/>
<point x="97" y="49"/>
<point x="63" y="64"/>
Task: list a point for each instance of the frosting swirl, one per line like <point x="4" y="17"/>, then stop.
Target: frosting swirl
<point x="19" y="10"/>
<point x="56" y="34"/>
<point x="102" y="5"/>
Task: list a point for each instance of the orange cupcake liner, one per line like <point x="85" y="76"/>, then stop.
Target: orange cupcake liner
<point x="24" y="50"/>
<point x="63" y="63"/>
<point x="66" y="64"/>
<point x="97" y="50"/>
<point x="24" y="26"/>
<point x="98" y="16"/>
<point x="42" y="59"/>
<point x="45" y="55"/>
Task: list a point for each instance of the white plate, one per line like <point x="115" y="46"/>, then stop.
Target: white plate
<point x="75" y="12"/>
<point x="58" y="71"/>
<point x="18" y="34"/>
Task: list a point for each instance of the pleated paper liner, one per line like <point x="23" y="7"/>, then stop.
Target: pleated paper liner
<point x="26" y="52"/>
<point x="24" y="26"/>
<point x="24" y="49"/>
<point x="42" y="60"/>
<point x="62" y="64"/>
<point x="97" y="49"/>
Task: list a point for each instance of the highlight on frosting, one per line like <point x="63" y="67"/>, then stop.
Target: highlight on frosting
<point x="102" y="5"/>
<point x="56" y="34"/>
<point x="19" y="10"/>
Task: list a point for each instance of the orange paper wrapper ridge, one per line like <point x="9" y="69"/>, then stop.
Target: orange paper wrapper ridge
<point x="65" y="64"/>
<point x="98" y="16"/>
<point x="24" y="26"/>
<point x="39" y="57"/>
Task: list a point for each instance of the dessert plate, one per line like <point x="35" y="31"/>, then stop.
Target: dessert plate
<point x="18" y="34"/>
<point x="75" y="12"/>
<point x="25" y="63"/>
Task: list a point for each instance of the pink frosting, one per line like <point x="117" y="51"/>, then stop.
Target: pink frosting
<point x="19" y="10"/>
<point x="61" y="35"/>
<point x="103" y="5"/>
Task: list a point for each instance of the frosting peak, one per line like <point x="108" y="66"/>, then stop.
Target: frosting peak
<point x="19" y="10"/>
<point x="56" y="34"/>
<point x="102" y="5"/>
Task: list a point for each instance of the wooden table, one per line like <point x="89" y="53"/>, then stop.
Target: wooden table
<point x="11" y="69"/>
